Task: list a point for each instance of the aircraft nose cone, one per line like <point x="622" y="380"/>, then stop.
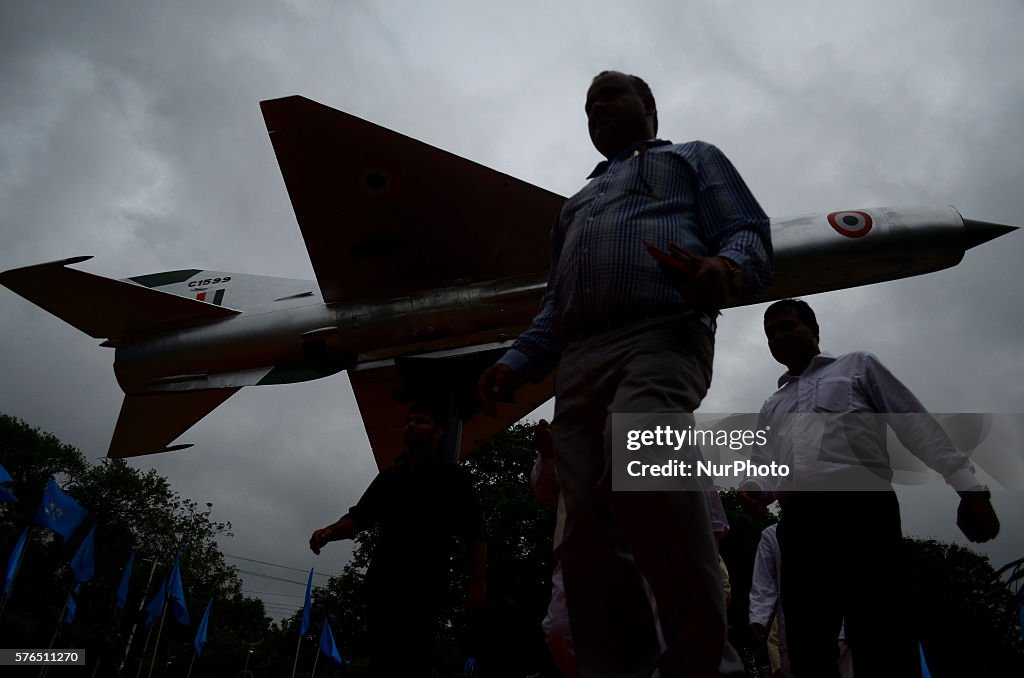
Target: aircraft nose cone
<point x="979" y="232"/>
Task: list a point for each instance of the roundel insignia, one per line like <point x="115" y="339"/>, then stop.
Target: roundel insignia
<point x="852" y="224"/>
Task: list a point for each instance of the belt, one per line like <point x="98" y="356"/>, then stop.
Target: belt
<point x="623" y="318"/>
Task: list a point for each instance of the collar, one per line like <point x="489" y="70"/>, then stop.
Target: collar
<point x="822" y="358"/>
<point x="603" y="166"/>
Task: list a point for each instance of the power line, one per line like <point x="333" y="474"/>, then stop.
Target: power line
<point x="272" y="593"/>
<point x="269" y="576"/>
<point x="286" y="567"/>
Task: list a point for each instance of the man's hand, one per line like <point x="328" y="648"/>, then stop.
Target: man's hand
<point x="542" y="440"/>
<point x="707" y="288"/>
<point x="497" y="384"/>
<point x="976" y="518"/>
<point x="753" y="503"/>
<point x="319" y="539"/>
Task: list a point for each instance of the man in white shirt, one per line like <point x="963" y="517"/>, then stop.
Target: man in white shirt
<point x="841" y="544"/>
<point x="765" y="603"/>
<point x="765" y="610"/>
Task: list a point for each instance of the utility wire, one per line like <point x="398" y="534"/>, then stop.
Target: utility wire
<point x="270" y="576"/>
<point x="272" y="593"/>
<point x="286" y="567"/>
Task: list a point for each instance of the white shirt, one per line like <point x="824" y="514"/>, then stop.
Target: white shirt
<point x="808" y="434"/>
<point x="764" y="585"/>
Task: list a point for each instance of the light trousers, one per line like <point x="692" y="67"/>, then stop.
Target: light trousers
<point x="614" y="540"/>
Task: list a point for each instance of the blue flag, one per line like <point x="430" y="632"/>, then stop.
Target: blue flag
<point x="59" y="512"/>
<point x="925" y="673"/>
<point x="5" y="494"/>
<point x="122" y="589"/>
<point x="71" y="606"/>
<point x="156" y="606"/>
<point x="306" y="605"/>
<point x="327" y="645"/>
<point x="83" y="564"/>
<point x="12" y="563"/>
<point x="176" y="593"/>
<point x="200" y="640"/>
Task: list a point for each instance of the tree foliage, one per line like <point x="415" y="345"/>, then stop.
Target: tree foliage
<point x="131" y="510"/>
<point x="966" y="618"/>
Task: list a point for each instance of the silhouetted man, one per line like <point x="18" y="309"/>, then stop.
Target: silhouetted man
<point x="840" y="546"/>
<point x="628" y="338"/>
<point x="420" y="504"/>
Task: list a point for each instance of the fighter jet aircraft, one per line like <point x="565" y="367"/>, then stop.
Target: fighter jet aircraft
<point x="426" y="264"/>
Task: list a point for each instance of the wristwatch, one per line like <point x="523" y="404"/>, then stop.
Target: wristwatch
<point x="735" y="274"/>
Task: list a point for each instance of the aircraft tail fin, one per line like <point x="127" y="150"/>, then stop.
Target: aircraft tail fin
<point x="105" y="308"/>
<point x="384" y="395"/>
<point x="149" y="422"/>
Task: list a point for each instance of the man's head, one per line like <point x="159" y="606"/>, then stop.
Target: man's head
<point x="424" y="427"/>
<point x="792" y="332"/>
<point x="620" y="111"/>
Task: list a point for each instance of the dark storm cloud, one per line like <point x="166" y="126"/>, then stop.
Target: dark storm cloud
<point x="133" y="132"/>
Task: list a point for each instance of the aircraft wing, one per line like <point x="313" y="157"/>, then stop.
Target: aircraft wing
<point x="384" y="215"/>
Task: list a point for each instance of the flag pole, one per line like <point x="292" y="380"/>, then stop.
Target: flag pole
<point x="135" y="624"/>
<point x="313" y="675"/>
<point x="142" y="657"/>
<point x="296" y="662"/>
<point x="304" y="624"/>
<point x="156" y="646"/>
<point x="189" y="674"/>
<point x="60" y="620"/>
<point x="56" y="632"/>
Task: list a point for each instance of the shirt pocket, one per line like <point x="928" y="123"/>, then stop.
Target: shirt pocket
<point x="833" y="394"/>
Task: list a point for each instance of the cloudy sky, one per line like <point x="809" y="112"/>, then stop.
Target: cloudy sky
<point x="132" y="132"/>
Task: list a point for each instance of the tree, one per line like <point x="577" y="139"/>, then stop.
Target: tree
<point x="966" y="619"/>
<point x="131" y="509"/>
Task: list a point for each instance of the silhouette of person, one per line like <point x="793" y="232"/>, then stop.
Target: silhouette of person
<point x="545" y="485"/>
<point x="628" y="338"/>
<point x="841" y="548"/>
<point x="420" y="504"/>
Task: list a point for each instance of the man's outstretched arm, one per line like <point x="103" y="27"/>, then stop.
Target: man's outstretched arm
<point x="344" y="528"/>
<point x="926" y="439"/>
